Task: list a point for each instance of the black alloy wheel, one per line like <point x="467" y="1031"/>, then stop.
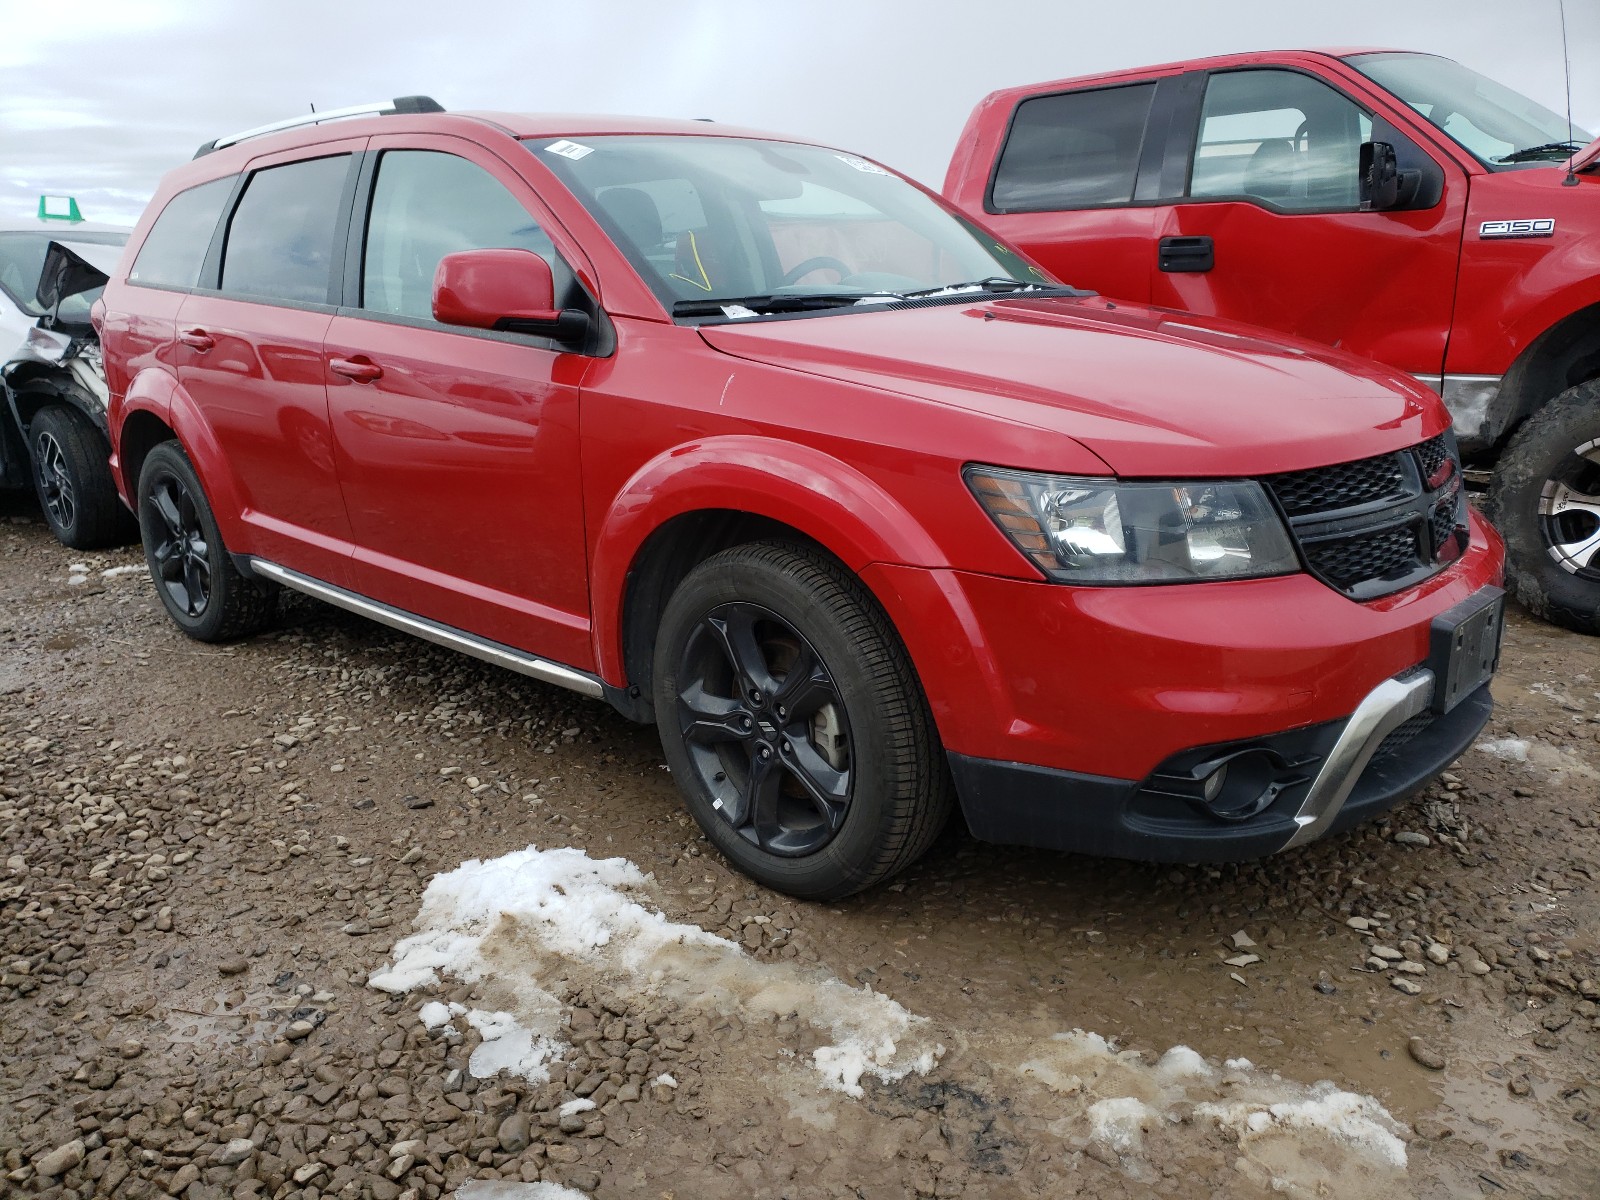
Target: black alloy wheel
<point x="55" y="483"/>
<point x="200" y="587"/>
<point x="766" y="729"/>
<point x="180" y="557"/>
<point x="794" y="724"/>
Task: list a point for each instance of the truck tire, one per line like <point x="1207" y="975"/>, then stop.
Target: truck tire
<point x="72" y="477"/>
<point x="794" y="724"/>
<point x="201" y="589"/>
<point x="1545" y="500"/>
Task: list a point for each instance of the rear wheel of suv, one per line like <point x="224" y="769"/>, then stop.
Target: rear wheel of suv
<point x="1545" y="500"/>
<point x="203" y="592"/>
<point x="794" y="724"/>
<point x="72" y="476"/>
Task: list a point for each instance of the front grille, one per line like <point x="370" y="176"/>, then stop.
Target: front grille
<point x="1401" y="734"/>
<point x="1380" y="524"/>
<point x="1345" y="485"/>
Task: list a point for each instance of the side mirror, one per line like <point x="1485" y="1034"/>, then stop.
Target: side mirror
<point x="509" y="290"/>
<point x="1380" y="177"/>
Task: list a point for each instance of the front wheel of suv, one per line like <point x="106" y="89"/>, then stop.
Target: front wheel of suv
<point x="203" y="592"/>
<point x="794" y="724"/>
<point x="1545" y="500"/>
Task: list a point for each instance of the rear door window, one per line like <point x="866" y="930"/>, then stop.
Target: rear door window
<point x="175" y="248"/>
<point x="427" y="204"/>
<point x="280" y="242"/>
<point x="1073" y="150"/>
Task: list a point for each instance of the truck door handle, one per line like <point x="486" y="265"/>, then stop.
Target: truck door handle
<point x="197" y="339"/>
<point x="1187" y="254"/>
<point x="360" y="369"/>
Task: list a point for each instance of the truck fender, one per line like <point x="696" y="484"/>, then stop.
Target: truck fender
<point x="828" y="501"/>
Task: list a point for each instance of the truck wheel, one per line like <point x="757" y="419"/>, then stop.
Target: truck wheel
<point x="1545" y="500"/>
<point x="72" y="475"/>
<point x="204" y="593"/>
<point x="794" y="724"/>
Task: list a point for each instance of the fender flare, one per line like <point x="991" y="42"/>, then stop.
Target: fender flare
<point x="829" y="501"/>
<point x="163" y="397"/>
<point x="1551" y="311"/>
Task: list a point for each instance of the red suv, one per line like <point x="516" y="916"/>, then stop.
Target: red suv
<point x="764" y="443"/>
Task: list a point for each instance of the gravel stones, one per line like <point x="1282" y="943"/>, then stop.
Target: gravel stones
<point x="1425" y="1055"/>
<point x="61" y="1160"/>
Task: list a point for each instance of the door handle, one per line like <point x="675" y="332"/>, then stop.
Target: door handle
<point x="1178" y="254"/>
<point x="197" y="339"/>
<point x="360" y="369"/>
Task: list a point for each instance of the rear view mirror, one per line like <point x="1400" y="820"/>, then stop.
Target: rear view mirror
<point x="509" y="290"/>
<point x="1380" y="177"/>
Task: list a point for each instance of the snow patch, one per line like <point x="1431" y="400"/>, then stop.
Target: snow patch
<point x="499" y="1189"/>
<point x="114" y="572"/>
<point x="664" y="1080"/>
<point x="533" y="917"/>
<point x="1508" y="749"/>
<point x="572" y="1107"/>
<point x="1299" y="1137"/>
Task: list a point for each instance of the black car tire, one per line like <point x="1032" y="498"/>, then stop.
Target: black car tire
<point x="1552" y="562"/>
<point x="203" y="592"/>
<point x="72" y="477"/>
<point x="855" y="782"/>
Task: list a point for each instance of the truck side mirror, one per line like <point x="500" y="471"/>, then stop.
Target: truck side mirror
<point x="1380" y="177"/>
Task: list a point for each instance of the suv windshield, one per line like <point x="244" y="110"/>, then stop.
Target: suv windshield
<point x="1498" y="126"/>
<point x="707" y="219"/>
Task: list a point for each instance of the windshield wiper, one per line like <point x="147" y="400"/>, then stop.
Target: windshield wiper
<point x="780" y="302"/>
<point x="1547" y="150"/>
<point x="992" y="283"/>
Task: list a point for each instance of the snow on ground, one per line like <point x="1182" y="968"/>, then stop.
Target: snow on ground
<point x="1539" y="754"/>
<point x="496" y="1189"/>
<point x="1508" y="749"/>
<point x="529" y="918"/>
<point x="1294" y="1139"/>
<point x="115" y="572"/>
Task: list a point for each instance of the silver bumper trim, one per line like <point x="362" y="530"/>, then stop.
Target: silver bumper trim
<point x="1390" y="704"/>
<point x="448" y="636"/>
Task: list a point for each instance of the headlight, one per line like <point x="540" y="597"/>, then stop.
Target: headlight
<point x="1101" y="531"/>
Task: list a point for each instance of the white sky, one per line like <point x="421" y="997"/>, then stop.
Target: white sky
<point x="102" y="96"/>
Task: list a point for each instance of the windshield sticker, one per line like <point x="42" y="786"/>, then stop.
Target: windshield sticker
<point x="861" y="164"/>
<point x="570" y="149"/>
<point x="737" y="310"/>
<point x="1530" y="227"/>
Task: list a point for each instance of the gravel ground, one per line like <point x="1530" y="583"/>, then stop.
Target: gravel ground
<point x="208" y="850"/>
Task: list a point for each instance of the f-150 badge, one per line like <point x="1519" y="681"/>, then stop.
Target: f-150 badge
<point x="1528" y="227"/>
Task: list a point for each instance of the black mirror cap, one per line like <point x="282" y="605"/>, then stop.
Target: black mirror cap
<point x="1380" y="177"/>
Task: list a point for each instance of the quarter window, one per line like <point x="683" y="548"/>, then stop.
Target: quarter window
<point x="175" y="248"/>
<point x="426" y="205"/>
<point x="1074" y="150"/>
<point x="1280" y="137"/>
<point x="280" y="243"/>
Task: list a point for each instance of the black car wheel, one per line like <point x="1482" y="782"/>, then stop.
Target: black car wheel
<point x="1545" y="500"/>
<point x="794" y="724"/>
<point x="72" y="476"/>
<point x="203" y="592"/>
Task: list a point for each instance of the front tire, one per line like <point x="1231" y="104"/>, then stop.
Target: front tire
<point x="72" y="477"/>
<point x="1545" y="500"/>
<point x="794" y="724"/>
<point x="201" y="589"/>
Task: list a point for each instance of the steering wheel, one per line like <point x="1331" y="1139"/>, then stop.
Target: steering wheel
<point x="800" y="270"/>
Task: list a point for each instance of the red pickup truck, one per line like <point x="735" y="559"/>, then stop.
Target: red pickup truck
<point x="1397" y="205"/>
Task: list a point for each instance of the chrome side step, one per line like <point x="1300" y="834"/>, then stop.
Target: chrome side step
<point x="497" y="653"/>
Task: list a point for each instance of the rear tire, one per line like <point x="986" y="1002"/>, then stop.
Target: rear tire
<point x="72" y="477"/>
<point x="794" y="724"/>
<point x="201" y="589"/>
<point x="1545" y="500"/>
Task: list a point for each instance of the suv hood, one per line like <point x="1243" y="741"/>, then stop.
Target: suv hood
<point x="1152" y="392"/>
<point x="72" y="268"/>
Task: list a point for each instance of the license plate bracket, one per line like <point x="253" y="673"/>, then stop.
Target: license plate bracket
<point x="1465" y="646"/>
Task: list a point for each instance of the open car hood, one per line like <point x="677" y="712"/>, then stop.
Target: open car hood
<point x="71" y="268"/>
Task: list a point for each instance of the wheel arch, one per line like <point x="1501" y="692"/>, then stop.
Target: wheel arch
<point x="686" y="505"/>
<point x="1564" y="355"/>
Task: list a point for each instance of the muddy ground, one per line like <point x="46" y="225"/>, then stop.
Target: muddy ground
<point x="207" y="850"/>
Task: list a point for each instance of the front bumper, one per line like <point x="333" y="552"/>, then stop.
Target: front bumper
<point x="1349" y="771"/>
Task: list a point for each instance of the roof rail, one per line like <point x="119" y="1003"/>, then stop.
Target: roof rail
<point x="400" y="104"/>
